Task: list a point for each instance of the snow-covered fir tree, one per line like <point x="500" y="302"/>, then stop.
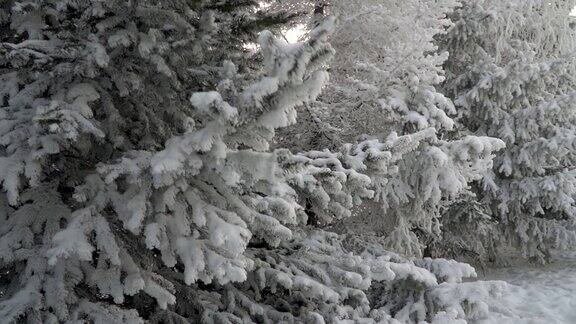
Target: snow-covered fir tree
<point x="390" y="86"/>
<point x="139" y="183"/>
<point x="511" y="74"/>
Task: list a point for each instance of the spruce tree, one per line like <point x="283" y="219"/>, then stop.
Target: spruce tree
<point x="390" y="86"/>
<point x="140" y="184"/>
<point x="510" y="73"/>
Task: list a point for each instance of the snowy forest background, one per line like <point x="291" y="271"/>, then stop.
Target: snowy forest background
<point x="241" y="161"/>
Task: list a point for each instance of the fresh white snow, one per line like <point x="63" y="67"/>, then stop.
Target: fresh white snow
<point x="537" y="294"/>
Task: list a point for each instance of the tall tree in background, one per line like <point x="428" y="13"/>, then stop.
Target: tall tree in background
<point x="511" y="75"/>
<point x="390" y="86"/>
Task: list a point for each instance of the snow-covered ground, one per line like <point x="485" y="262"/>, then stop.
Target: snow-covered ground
<point x="537" y="295"/>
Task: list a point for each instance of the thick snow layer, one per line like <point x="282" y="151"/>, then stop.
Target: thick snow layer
<point x="537" y="294"/>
